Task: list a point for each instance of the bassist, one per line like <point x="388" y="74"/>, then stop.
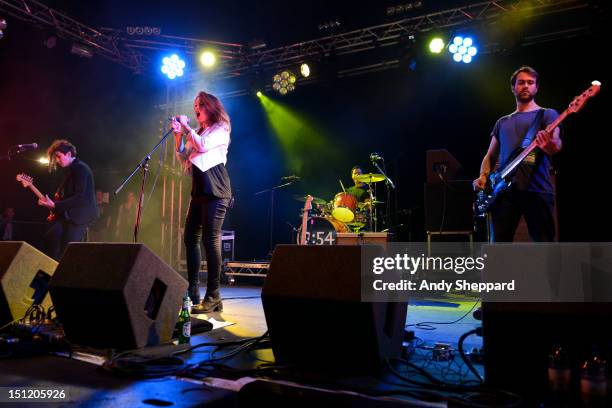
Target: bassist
<point x="532" y="191"/>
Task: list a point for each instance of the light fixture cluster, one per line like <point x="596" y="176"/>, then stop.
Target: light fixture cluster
<point x="284" y="82"/>
<point x="143" y="30"/>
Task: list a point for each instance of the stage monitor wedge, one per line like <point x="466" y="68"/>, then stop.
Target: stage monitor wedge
<point x="315" y="316"/>
<point x="24" y="277"/>
<point x="116" y="295"/>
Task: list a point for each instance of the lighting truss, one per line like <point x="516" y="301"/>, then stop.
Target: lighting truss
<point x="238" y="59"/>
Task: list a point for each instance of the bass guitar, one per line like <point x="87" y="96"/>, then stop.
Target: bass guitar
<point x="501" y="180"/>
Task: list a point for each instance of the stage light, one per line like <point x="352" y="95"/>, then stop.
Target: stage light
<point x="305" y="70"/>
<point x="173" y="66"/>
<point x="259" y="94"/>
<point x="463" y="49"/>
<point x="43" y="160"/>
<point x="208" y="59"/>
<point x="436" y="45"/>
<point x="284" y="82"/>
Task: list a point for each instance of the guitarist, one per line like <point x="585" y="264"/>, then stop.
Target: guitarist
<point x="75" y="204"/>
<point x="532" y="191"/>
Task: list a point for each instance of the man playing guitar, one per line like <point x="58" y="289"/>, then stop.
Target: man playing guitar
<point x="532" y="191"/>
<point x="75" y="206"/>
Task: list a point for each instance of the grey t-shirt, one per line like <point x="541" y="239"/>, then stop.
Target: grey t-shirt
<point x="533" y="174"/>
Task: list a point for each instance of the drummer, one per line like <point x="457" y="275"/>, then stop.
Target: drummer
<point x="359" y="190"/>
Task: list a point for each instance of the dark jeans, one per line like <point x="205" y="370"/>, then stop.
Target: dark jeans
<point x="535" y="207"/>
<point x="205" y="215"/>
<point x="60" y="234"/>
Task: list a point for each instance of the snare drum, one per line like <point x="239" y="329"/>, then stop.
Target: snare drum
<point x="345" y="205"/>
<point x="321" y="231"/>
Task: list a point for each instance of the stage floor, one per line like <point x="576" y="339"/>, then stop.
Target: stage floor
<point x="90" y="385"/>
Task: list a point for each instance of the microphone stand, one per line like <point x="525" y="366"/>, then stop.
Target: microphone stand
<point x="144" y="165"/>
<point x="271" y="191"/>
<point x="10" y="152"/>
<point x="388" y="183"/>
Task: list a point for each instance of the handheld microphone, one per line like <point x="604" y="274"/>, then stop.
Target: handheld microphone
<point x="375" y="157"/>
<point x="28" y="146"/>
<point x="177" y="118"/>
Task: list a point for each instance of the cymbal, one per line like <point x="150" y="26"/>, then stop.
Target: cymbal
<point x="368" y="204"/>
<point x="315" y="200"/>
<point x="370" y="178"/>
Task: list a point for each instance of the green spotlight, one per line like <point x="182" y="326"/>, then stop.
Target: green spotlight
<point x="259" y="94"/>
<point x="436" y="45"/>
<point x="305" y="70"/>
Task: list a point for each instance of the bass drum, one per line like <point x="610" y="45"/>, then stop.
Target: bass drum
<point x="321" y="231"/>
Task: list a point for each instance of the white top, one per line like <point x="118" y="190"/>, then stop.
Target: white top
<point x="206" y="150"/>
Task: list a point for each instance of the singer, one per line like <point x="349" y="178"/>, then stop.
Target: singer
<point x="203" y="153"/>
<point x="75" y="205"/>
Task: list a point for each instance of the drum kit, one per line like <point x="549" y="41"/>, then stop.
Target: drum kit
<point x="342" y="214"/>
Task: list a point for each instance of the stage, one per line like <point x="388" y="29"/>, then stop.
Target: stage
<point x="88" y="384"/>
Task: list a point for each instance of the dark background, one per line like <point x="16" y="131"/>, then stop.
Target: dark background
<point x="109" y="113"/>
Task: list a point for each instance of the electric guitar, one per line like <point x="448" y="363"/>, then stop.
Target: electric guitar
<point x="501" y="180"/>
<point x="307" y="207"/>
<point x="27" y="181"/>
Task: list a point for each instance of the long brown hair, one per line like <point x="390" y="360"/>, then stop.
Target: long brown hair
<point x="214" y="110"/>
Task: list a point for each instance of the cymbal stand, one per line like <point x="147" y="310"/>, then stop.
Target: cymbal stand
<point x="390" y="185"/>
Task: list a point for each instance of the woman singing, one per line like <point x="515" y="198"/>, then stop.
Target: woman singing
<point x="203" y="152"/>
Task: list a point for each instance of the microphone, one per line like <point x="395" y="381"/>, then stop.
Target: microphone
<point x="177" y="118"/>
<point x="290" y="178"/>
<point x="375" y="157"/>
<point x="28" y="146"/>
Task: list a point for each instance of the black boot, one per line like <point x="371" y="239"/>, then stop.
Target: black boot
<point x="208" y="305"/>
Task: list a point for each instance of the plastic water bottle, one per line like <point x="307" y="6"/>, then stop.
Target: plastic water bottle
<point x="559" y="376"/>
<point x="593" y="381"/>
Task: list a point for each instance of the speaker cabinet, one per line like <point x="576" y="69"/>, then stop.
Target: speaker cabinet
<point x="448" y="206"/>
<point x="312" y="303"/>
<point x="120" y="295"/>
<point x="25" y="273"/>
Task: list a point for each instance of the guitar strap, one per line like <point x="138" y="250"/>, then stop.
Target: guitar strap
<point x="533" y="129"/>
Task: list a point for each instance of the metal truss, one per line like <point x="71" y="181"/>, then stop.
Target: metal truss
<point x="392" y="33"/>
<point x="107" y="46"/>
<point x="238" y="59"/>
<point x="259" y="269"/>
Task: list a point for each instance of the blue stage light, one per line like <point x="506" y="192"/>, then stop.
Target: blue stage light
<point x="173" y="66"/>
<point x="463" y="49"/>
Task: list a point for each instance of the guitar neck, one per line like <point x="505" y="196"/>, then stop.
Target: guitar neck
<point x="36" y="192"/>
<point x="303" y="232"/>
<point x="518" y="159"/>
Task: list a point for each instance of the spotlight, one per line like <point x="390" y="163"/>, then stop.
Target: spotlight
<point x="463" y="49"/>
<point x="259" y="94"/>
<point x="173" y="66"/>
<point x="284" y="82"/>
<point x="43" y="160"/>
<point x="305" y="70"/>
<point x="436" y="45"/>
<point x="207" y="58"/>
